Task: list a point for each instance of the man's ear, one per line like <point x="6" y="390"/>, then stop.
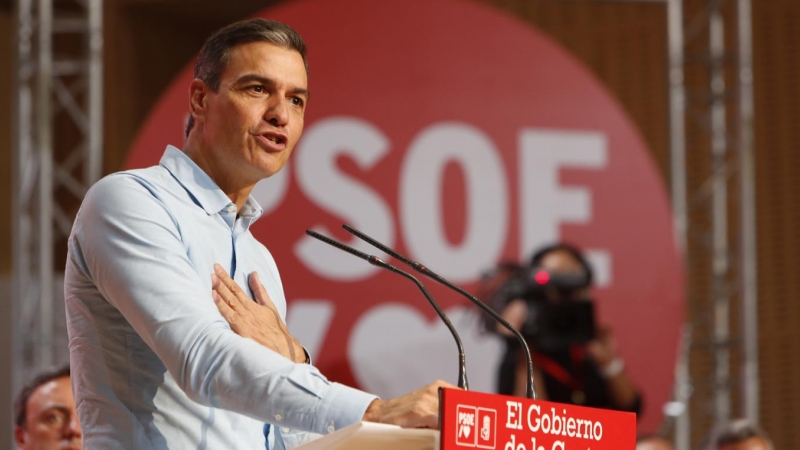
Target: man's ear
<point x="198" y="99"/>
<point x="20" y="435"/>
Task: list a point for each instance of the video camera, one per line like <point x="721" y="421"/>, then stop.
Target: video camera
<point x="558" y="316"/>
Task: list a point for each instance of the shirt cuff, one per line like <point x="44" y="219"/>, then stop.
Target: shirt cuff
<point x="342" y="406"/>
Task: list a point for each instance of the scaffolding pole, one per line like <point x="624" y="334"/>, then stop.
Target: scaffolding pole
<point x="724" y="114"/>
<point x="733" y="267"/>
<point x="57" y="84"/>
<point x="747" y="214"/>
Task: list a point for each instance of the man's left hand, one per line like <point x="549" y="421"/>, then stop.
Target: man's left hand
<point x="259" y="320"/>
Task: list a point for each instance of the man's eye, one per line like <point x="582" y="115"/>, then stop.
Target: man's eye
<point x="297" y="101"/>
<point x="54" y="419"/>
<point x="257" y="89"/>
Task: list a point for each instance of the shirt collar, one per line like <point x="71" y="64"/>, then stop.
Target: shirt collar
<point x="204" y="190"/>
<point x="251" y="209"/>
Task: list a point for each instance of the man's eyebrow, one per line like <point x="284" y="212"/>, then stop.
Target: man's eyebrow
<point x="60" y="408"/>
<point x="301" y="91"/>
<point x="251" y="77"/>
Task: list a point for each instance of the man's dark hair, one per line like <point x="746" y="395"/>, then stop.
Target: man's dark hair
<point x="21" y="402"/>
<point x="213" y="57"/>
<point x="737" y="431"/>
<point x="536" y="259"/>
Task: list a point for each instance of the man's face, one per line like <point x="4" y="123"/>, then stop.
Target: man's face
<point x="255" y="118"/>
<point x="754" y="443"/>
<point x="51" y="421"/>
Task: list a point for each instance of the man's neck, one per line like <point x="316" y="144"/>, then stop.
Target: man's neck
<point x="203" y="156"/>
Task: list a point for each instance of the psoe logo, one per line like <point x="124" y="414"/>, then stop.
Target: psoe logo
<point x="466" y="434"/>
<point x="476" y="427"/>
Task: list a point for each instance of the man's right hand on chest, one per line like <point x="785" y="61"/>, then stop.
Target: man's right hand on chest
<point x="259" y="320"/>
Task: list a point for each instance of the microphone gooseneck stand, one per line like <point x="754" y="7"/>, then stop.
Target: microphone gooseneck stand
<point x="530" y="391"/>
<point x="375" y="261"/>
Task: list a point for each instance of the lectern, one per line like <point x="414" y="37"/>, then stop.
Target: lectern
<point x="475" y="420"/>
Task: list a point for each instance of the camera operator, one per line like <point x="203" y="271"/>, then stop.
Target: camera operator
<point x="549" y="301"/>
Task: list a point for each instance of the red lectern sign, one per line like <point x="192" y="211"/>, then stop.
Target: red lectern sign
<point x="474" y="420"/>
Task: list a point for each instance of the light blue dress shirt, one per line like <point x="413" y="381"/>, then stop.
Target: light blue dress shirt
<point x="154" y="365"/>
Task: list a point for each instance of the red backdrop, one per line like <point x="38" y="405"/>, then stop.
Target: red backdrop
<point x="460" y="136"/>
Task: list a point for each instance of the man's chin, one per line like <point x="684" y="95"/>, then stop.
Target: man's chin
<point x="270" y="168"/>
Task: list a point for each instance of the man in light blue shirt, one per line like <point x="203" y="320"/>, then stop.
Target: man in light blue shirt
<point x="154" y="364"/>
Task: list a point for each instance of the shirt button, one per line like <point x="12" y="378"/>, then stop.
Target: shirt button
<point x="278" y="417"/>
<point x="231" y="208"/>
<point x="285" y="430"/>
<point x="331" y="429"/>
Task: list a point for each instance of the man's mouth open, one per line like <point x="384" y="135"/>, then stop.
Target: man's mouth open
<point x="273" y="141"/>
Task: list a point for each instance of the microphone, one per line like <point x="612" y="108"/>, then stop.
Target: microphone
<point x="375" y="261"/>
<point x="530" y="391"/>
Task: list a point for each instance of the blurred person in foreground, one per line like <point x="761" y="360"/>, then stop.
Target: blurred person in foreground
<point x="44" y="414"/>
<point x="155" y="364"/>
<point x="653" y="442"/>
<point x="549" y="301"/>
<point x="739" y="434"/>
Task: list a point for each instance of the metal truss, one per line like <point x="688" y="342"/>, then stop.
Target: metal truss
<point x="57" y="156"/>
<point x="714" y="206"/>
<point x="713" y="209"/>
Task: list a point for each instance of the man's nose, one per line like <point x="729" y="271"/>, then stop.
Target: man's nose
<point x="277" y="112"/>
<point x="73" y="428"/>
